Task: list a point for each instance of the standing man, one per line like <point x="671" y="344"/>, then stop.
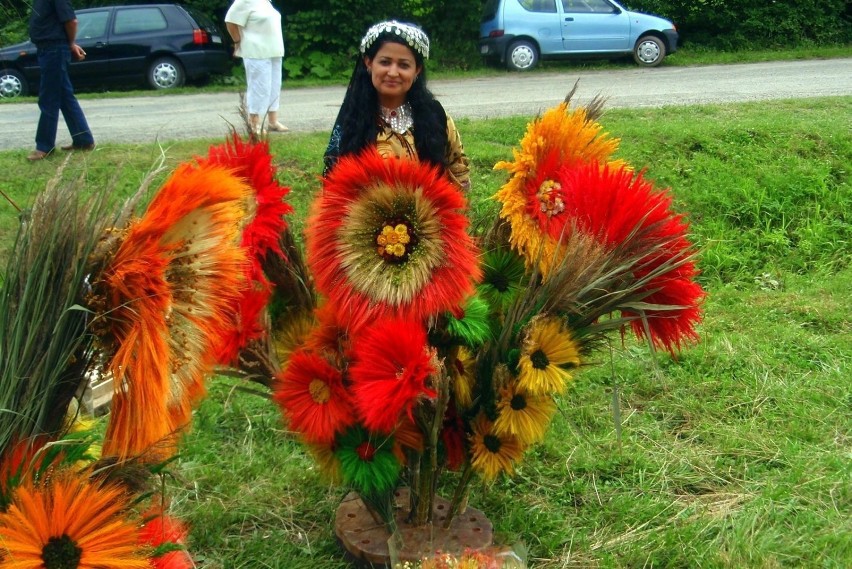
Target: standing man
<point x="53" y="29"/>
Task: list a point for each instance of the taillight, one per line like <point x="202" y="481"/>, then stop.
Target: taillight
<point x="200" y="37"/>
<point x="496" y="33"/>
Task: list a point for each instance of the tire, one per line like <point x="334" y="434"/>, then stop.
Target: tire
<point x="521" y="56"/>
<point x="166" y="73"/>
<point x="13" y="84"/>
<point x="649" y="51"/>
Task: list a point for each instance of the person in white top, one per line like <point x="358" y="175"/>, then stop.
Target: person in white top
<point x="255" y="27"/>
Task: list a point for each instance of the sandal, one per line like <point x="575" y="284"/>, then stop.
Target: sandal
<point x="277" y="127"/>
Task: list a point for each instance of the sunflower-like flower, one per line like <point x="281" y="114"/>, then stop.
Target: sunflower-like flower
<point x="388" y="237"/>
<point x="69" y="522"/>
<point x="503" y="279"/>
<point x="461" y="366"/>
<point x="548" y="352"/>
<point x="472" y="327"/>
<point x="492" y="453"/>
<point x="367" y="461"/>
<point x="391" y="372"/>
<point x="523" y="415"/>
<point x="311" y="394"/>
<point x="533" y="200"/>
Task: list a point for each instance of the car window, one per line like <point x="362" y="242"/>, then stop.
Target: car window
<point x="135" y="20"/>
<point x="546" y="6"/>
<point x="598" y="6"/>
<point x="92" y="24"/>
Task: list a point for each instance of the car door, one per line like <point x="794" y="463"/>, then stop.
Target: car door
<point x="92" y="37"/>
<point x="594" y="26"/>
<point x="538" y="19"/>
<point x="135" y="30"/>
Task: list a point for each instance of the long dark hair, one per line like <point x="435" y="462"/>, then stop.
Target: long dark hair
<point x="357" y="122"/>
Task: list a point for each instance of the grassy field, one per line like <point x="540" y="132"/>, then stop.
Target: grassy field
<point x="735" y="454"/>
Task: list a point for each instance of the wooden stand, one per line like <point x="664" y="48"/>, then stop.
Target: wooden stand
<point x="367" y="540"/>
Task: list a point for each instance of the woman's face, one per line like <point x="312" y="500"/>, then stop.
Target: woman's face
<point x="393" y="70"/>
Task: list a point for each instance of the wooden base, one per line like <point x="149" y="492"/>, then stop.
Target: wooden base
<point x="367" y="540"/>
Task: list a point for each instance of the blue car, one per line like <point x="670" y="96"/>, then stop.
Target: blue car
<point x="518" y="33"/>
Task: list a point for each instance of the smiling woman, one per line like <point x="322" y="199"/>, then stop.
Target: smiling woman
<point x="388" y="106"/>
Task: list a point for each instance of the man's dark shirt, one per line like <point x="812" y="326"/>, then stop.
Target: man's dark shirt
<point x="47" y="21"/>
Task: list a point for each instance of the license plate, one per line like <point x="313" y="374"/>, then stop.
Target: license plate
<point x="483" y="50"/>
<point x="216" y="39"/>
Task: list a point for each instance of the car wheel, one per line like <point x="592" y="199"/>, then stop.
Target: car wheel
<point x="522" y="56"/>
<point x="165" y="73"/>
<point x="649" y="51"/>
<point x="12" y="84"/>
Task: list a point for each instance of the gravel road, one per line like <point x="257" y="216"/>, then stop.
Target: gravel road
<point x="177" y="117"/>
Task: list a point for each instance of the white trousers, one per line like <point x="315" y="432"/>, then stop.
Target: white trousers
<point x="263" y="85"/>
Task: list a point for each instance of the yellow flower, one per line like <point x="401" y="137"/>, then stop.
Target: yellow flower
<point x="461" y="371"/>
<point x="523" y="415"/>
<point x="547" y="351"/>
<point x="560" y="136"/>
<point x="493" y="453"/>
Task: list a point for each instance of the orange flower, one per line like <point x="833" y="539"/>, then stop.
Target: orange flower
<point x="164" y="296"/>
<point x="69" y="522"/>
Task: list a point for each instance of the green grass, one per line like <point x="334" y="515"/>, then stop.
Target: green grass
<point x="736" y="454"/>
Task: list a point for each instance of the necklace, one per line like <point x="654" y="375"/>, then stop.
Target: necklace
<point x="398" y="119"/>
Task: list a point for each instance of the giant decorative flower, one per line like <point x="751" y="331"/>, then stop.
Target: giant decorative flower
<point x="163" y="297"/>
<point x="622" y="210"/>
<point x="391" y="371"/>
<point x="388" y="237"/>
<point x="265" y="210"/>
<point x="310" y="392"/>
<point x="523" y="415"/>
<point x="69" y="522"/>
<point x="548" y="352"/>
<point x="367" y="462"/>
<point x="532" y="198"/>
<point x="502" y="280"/>
<point x="492" y="453"/>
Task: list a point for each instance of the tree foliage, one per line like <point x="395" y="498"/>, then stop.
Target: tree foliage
<point x="322" y="35"/>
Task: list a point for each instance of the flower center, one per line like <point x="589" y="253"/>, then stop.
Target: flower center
<point x="518" y="402"/>
<point x="539" y="359"/>
<point x="366" y="451"/>
<point x="395" y="241"/>
<point x="500" y="282"/>
<point x="320" y="393"/>
<point x="492" y="443"/>
<point x="549" y="198"/>
<point x="61" y="553"/>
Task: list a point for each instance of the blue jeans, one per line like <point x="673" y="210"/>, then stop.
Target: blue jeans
<point x="56" y="94"/>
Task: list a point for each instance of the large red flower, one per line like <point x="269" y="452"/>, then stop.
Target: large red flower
<point x="391" y="372"/>
<point x="388" y="237"/>
<point x="310" y="392"/>
<point x="265" y="209"/>
<point x="621" y="209"/>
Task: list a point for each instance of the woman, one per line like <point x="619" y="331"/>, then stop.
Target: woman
<point x="255" y="27"/>
<point x="388" y="105"/>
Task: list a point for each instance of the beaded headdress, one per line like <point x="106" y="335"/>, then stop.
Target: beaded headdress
<point x="409" y="33"/>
